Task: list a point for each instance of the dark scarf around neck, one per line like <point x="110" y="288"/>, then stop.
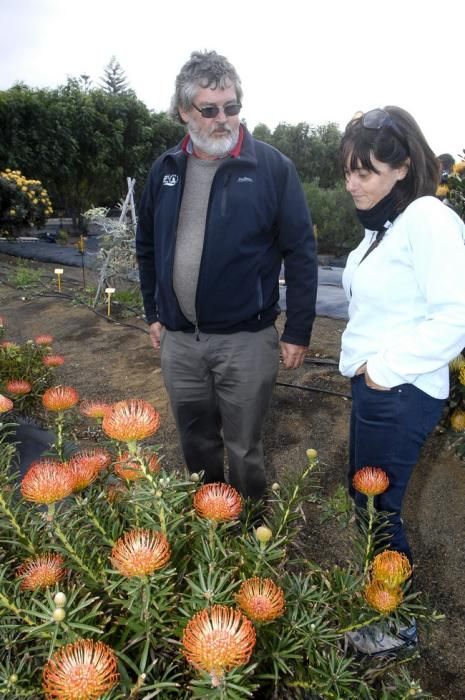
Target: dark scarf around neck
<point x="384" y="211"/>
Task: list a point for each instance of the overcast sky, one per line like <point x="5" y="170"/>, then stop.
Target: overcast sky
<point x="298" y="60"/>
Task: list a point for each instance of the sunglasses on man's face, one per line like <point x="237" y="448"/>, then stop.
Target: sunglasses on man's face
<point x="211" y="112"/>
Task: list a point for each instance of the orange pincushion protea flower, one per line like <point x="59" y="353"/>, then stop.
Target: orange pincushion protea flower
<point x="218" y="639"/>
<point x="44" y="339"/>
<point x="46" y="482"/>
<point x="41" y="572"/>
<point x="131" y="420"/>
<point x="97" y="459"/>
<point x="261" y="599"/>
<point x="85" y="670"/>
<point x="370" y="481"/>
<point x="84" y="472"/>
<point x="45" y="461"/>
<point x="94" y="409"/>
<point x="60" y="398"/>
<point x="5" y="404"/>
<point x="18" y="387"/>
<point x="391" y="568"/>
<point x="217" y="502"/>
<point x="53" y="360"/>
<point x="129" y="468"/>
<point x="383" y="599"/>
<point x="5" y="344"/>
<point x="140" y="552"/>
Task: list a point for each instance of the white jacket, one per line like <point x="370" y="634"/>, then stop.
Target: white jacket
<point x="407" y="300"/>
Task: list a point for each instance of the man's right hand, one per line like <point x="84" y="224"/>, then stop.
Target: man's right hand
<point x="155" y="332"/>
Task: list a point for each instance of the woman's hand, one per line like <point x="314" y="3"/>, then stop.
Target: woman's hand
<point x="368" y="380"/>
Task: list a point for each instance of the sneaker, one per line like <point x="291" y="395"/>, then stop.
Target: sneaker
<point x="376" y="640"/>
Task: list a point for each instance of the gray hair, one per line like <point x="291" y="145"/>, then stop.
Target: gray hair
<point x="203" y="69"/>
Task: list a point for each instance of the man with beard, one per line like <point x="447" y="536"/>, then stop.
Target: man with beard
<point x="218" y="215"/>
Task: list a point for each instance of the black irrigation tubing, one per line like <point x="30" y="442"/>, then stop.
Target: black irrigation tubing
<point x="321" y="361"/>
<point x="314" y="388"/>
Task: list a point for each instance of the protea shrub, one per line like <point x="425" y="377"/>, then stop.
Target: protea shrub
<point x="122" y="579"/>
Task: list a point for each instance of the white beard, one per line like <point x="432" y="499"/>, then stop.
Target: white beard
<point x="217" y="146"/>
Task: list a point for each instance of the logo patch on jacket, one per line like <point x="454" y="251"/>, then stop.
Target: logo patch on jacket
<point x="244" y="179"/>
<point x="171" y="180"/>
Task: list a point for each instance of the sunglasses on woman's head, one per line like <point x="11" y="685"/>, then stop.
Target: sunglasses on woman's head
<point x="378" y="119"/>
<point x="211" y="112"/>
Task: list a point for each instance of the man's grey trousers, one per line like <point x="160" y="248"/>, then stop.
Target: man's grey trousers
<point x="220" y="389"/>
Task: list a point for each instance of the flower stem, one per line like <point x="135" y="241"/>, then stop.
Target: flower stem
<point x="284" y="520"/>
<point x="53" y="642"/>
<point x="350" y="628"/>
<point x="74" y="555"/>
<point x="161" y="515"/>
<point x="11" y="606"/>
<point x="93" y="518"/>
<point x="369" y="547"/>
<point x="59" y="429"/>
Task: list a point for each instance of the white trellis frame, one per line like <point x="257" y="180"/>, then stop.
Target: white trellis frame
<point x="116" y="231"/>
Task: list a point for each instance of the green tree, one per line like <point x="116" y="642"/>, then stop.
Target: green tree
<point x="332" y="211"/>
<point x="114" y="80"/>
<point x="262" y="133"/>
<point x="324" y="154"/>
<point x="294" y="141"/>
<point x="81" y="142"/>
<point x="313" y="149"/>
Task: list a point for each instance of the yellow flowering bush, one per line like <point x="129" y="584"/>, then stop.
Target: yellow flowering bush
<point x="456" y="187"/>
<point x="23" y="202"/>
<point x="456" y="412"/>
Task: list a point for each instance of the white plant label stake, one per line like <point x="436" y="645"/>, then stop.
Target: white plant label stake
<point x="59" y="272"/>
<point x="109" y="291"/>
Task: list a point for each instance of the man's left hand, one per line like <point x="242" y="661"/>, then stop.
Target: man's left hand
<point x="293" y="355"/>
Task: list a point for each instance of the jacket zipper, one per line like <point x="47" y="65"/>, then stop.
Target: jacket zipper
<point x="224" y="194"/>
<point x="205" y="240"/>
<point x="260" y="297"/>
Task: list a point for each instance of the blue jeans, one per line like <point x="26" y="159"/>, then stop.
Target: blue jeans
<point x="388" y="430"/>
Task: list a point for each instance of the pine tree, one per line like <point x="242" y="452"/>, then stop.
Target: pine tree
<point x="114" y="79"/>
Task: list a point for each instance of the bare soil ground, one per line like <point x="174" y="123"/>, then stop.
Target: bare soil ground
<point x="113" y="361"/>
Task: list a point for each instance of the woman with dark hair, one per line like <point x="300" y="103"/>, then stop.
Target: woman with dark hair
<point x="406" y="288"/>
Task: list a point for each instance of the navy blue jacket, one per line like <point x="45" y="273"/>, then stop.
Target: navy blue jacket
<point x="257" y="216"/>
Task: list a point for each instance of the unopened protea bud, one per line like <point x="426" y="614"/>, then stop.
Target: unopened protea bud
<point x="311" y="454"/>
<point x="58" y="615"/>
<point x="275" y="487"/>
<point x="60" y="599"/>
<point x="194" y="477"/>
<point x="13" y="679"/>
<point x="263" y="534"/>
<point x="457" y="420"/>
